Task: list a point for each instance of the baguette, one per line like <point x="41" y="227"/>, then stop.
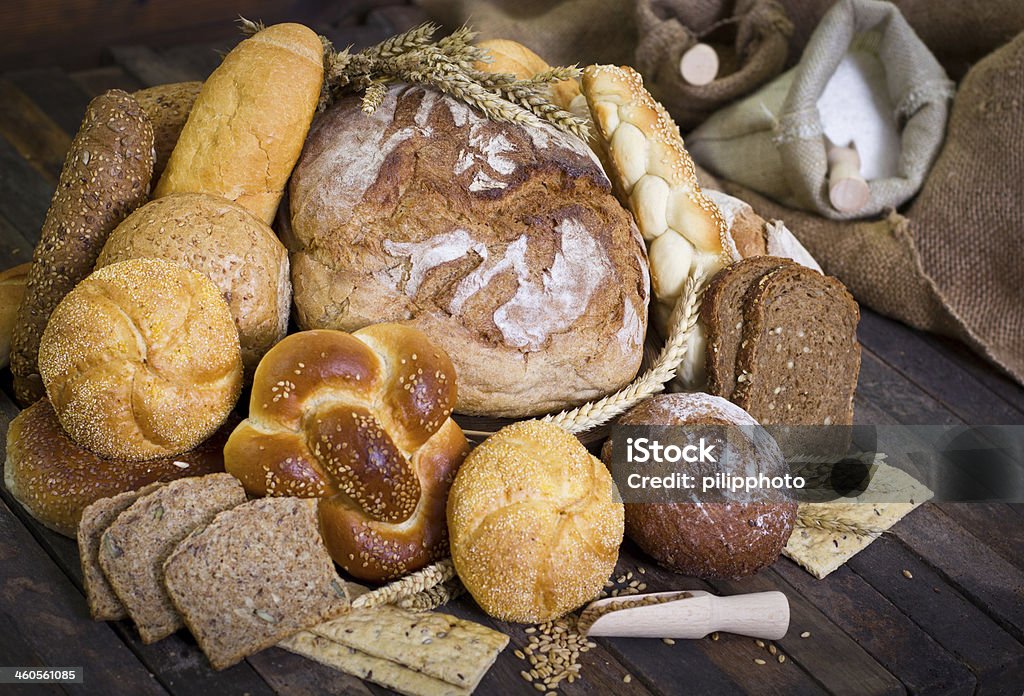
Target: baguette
<point x="246" y="128"/>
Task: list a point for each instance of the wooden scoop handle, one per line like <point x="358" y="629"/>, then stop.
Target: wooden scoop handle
<point x="699" y="64"/>
<point x="759" y="615"/>
<point x="847" y="190"/>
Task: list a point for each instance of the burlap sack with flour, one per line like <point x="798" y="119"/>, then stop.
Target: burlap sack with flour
<point x="953" y="263"/>
<point x="773" y="142"/>
<point x="751" y="38"/>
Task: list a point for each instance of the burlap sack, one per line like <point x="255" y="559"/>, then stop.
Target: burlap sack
<point x="758" y="35"/>
<point x="953" y="265"/>
<point x="772" y="141"/>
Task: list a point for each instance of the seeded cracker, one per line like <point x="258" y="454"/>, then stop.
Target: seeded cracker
<point x="255" y="575"/>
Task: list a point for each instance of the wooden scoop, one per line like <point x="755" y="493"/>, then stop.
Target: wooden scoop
<point x="758" y="615"/>
<point x="847" y="190"/>
<point x="699" y="65"/>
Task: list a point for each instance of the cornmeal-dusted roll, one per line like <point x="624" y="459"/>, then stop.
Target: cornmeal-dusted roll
<point x="168" y="107"/>
<point x="248" y="124"/>
<point x="12" y="289"/>
<point x="515" y="58"/>
<point x="106" y="176"/>
<point x="226" y="243"/>
<point x="141" y="360"/>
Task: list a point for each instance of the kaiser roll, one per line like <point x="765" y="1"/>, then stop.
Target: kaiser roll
<point x="534" y="523"/>
<point x="360" y="421"/>
<point x="502" y="242"/>
<point x="141" y="360"/>
<point x="226" y="243"/>
<point x="717" y="535"/>
<point x="55" y="479"/>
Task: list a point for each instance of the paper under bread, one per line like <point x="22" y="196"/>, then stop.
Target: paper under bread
<point x="820" y="551"/>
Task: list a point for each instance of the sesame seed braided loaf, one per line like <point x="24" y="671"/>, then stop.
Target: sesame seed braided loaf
<point x="362" y="422"/>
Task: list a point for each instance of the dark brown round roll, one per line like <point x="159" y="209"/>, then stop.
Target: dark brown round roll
<point x="717" y="537"/>
<point x="55" y="479"/>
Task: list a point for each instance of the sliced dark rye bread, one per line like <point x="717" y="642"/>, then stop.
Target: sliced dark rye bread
<point x="135" y="546"/>
<point x="800" y="358"/>
<point x="103" y="603"/>
<point x="255" y="575"/>
<point x="722" y="311"/>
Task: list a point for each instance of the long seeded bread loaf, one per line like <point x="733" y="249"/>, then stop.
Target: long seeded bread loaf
<point x="721" y="312"/>
<point x="136" y="544"/>
<point x="799" y="357"/>
<point x="105" y="177"/>
<point x="256" y="575"/>
<point x="103" y="602"/>
<point x="168" y="107"/>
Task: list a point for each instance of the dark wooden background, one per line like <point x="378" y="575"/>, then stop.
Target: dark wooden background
<point x="956" y="627"/>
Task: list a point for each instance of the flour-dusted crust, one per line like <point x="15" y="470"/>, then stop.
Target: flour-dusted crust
<point x="501" y="242"/>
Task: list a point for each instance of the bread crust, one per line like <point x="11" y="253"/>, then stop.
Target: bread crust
<point x="12" y="290"/>
<point x="246" y="128"/>
<point x="106" y="175"/>
<point x="514" y="58"/>
<point x="167" y="107"/>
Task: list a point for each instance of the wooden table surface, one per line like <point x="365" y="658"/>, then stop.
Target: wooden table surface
<point x="956" y="627"/>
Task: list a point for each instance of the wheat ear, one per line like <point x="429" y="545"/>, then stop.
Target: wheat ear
<point x="413" y="584"/>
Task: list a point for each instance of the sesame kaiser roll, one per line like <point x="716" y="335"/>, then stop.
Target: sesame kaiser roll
<point x="534" y="523"/>
<point x="360" y="421"/>
<point x="141" y="360"/>
<point x="227" y="244"/>
<point x="55" y="479"/>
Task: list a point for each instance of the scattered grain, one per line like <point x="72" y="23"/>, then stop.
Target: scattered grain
<point x="805" y="634"/>
<point x="907" y="574"/>
<point x="668" y="641"/>
<point x="760" y="661"/>
<point x="782" y="658"/>
<point x="628" y="678"/>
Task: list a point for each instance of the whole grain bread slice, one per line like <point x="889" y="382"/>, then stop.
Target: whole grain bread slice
<point x="800" y="358"/>
<point x="722" y="313"/>
<point x="255" y="575"/>
<point x="134" y="547"/>
<point x="103" y="603"/>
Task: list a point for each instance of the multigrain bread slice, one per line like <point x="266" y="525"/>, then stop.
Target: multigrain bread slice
<point x="135" y="546"/>
<point x="799" y="357"/>
<point x="103" y="602"/>
<point x="722" y="313"/>
<point x="254" y="576"/>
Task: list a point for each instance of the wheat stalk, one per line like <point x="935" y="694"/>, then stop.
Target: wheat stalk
<point x="683" y="321"/>
<point x="433" y="597"/>
<point x="828" y="523"/>
<point x="413" y="584"/>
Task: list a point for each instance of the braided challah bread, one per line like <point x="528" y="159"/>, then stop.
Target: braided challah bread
<point x="362" y="422"/>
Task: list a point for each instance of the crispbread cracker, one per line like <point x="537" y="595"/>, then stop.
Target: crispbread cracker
<point x="384" y="672"/>
<point x="821" y="551"/>
<point x="441" y="646"/>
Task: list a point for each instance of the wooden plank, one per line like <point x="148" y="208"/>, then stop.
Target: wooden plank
<point x="993" y="522"/>
<point x="982" y="575"/>
<point x="197" y="60"/>
<point x="55" y="93"/>
<point x="908" y="652"/>
<point x="991" y="376"/>
<point x="949" y="618"/>
<point x="147" y="66"/>
<point x="40" y="141"/>
<point x="98" y="80"/>
<point x="835" y="659"/>
<point x="14" y="248"/>
<point x="24" y="194"/>
<point x="15" y="652"/>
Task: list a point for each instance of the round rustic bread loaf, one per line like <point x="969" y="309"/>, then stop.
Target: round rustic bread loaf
<point x="361" y="421"/>
<point x="12" y="290"/>
<point x="722" y="535"/>
<point x="141" y="360"/>
<point x="55" y="479"/>
<point x="502" y="242"/>
<point x="534" y="522"/>
<point x="226" y="243"/>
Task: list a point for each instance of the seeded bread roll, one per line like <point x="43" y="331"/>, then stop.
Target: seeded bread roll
<point x="141" y="360"/>
<point x="362" y="422"/>
<point x="535" y="527"/>
<point x="136" y="544"/>
<point x="247" y="126"/>
<point x="55" y="479"/>
<point x="168" y="107"/>
<point x="226" y="243"/>
<point x="722" y="536"/>
<point x="502" y="242"/>
<point x="105" y="177"/>
<point x="12" y="290"/>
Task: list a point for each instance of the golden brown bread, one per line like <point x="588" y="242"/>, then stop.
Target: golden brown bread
<point x="141" y="360"/>
<point x="362" y="422"/>
<point x="105" y="177"/>
<point x="226" y="243"/>
<point x="514" y="58"/>
<point x="12" y="289"/>
<point x="247" y="126"/>
<point x="534" y="523"/>
<point x="167" y="107"/>
<point x="55" y="479"/>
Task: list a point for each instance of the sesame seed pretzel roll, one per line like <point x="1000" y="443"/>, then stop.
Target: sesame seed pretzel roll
<point x="246" y="128"/>
<point x="362" y="422"/>
<point x="654" y="176"/>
